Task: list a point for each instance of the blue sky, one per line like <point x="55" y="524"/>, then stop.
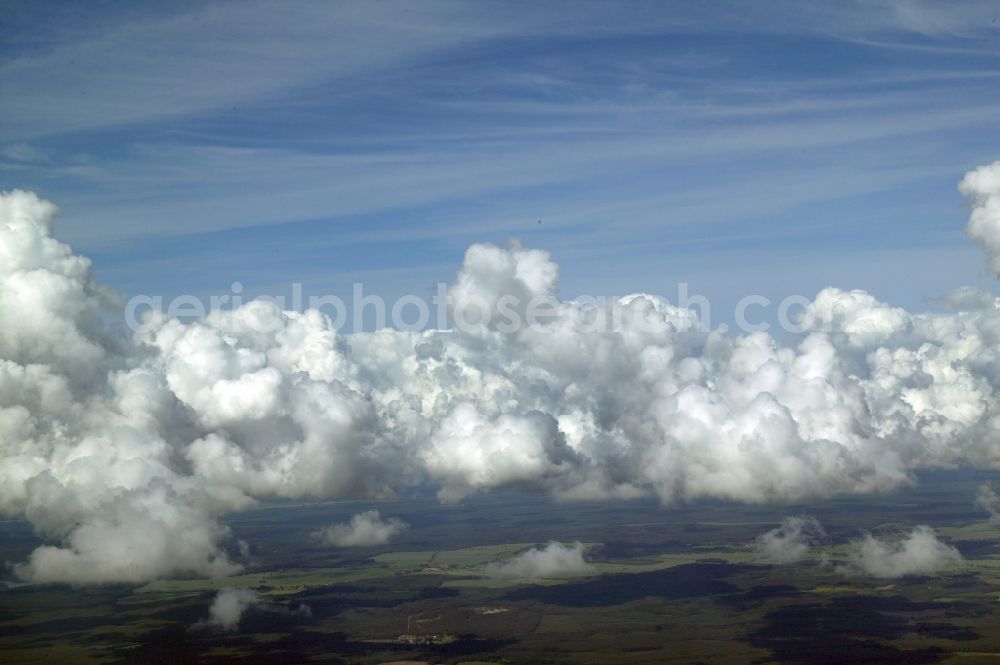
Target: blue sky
<point x="768" y="148"/>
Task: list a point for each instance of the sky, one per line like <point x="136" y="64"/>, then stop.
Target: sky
<point x="739" y="148"/>
<point x="772" y="148"/>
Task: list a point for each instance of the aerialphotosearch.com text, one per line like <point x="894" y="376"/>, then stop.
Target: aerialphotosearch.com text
<point x="506" y="313"/>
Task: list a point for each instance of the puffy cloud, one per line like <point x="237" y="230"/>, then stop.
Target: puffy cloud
<point x="989" y="500"/>
<point x="141" y="536"/>
<point x="982" y="186"/>
<point x="790" y="541"/>
<point x="555" y="560"/>
<point x="469" y="452"/>
<point x="50" y="306"/>
<point x="919" y="553"/>
<point x="124" y="453"/>
<point x="494" y="286"/>
<point x="228" y="608"/>
<point x="856" y="316"/>
<point x="364" y="529"/>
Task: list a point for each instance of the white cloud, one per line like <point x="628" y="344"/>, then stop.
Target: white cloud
<point x="919" y="553"/>
<point x="230" y="605"/>
<point x="989" y="500"/>
<point x="555" y="560"/>
<point x="983" y="186"/>
<point x="228" y="608"/>
<point x="790" y="541"/>
<point x="364" y="529"/>
<point x="124" y="453"/>
<point x="140" y="536"/>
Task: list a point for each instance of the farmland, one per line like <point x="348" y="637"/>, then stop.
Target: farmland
<point x="676" y="583"/>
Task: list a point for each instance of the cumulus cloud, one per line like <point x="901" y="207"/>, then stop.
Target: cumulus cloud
<point x="124" y="452"/>
<point x="790" y="541"/>
<point x="919" y="553"/>
<point x="982" y="186"/>
<point x="989" y="500"/>
<point x="228" y="608"/>
<point x="367" y="528"/>
<point x="555" y="560"/>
